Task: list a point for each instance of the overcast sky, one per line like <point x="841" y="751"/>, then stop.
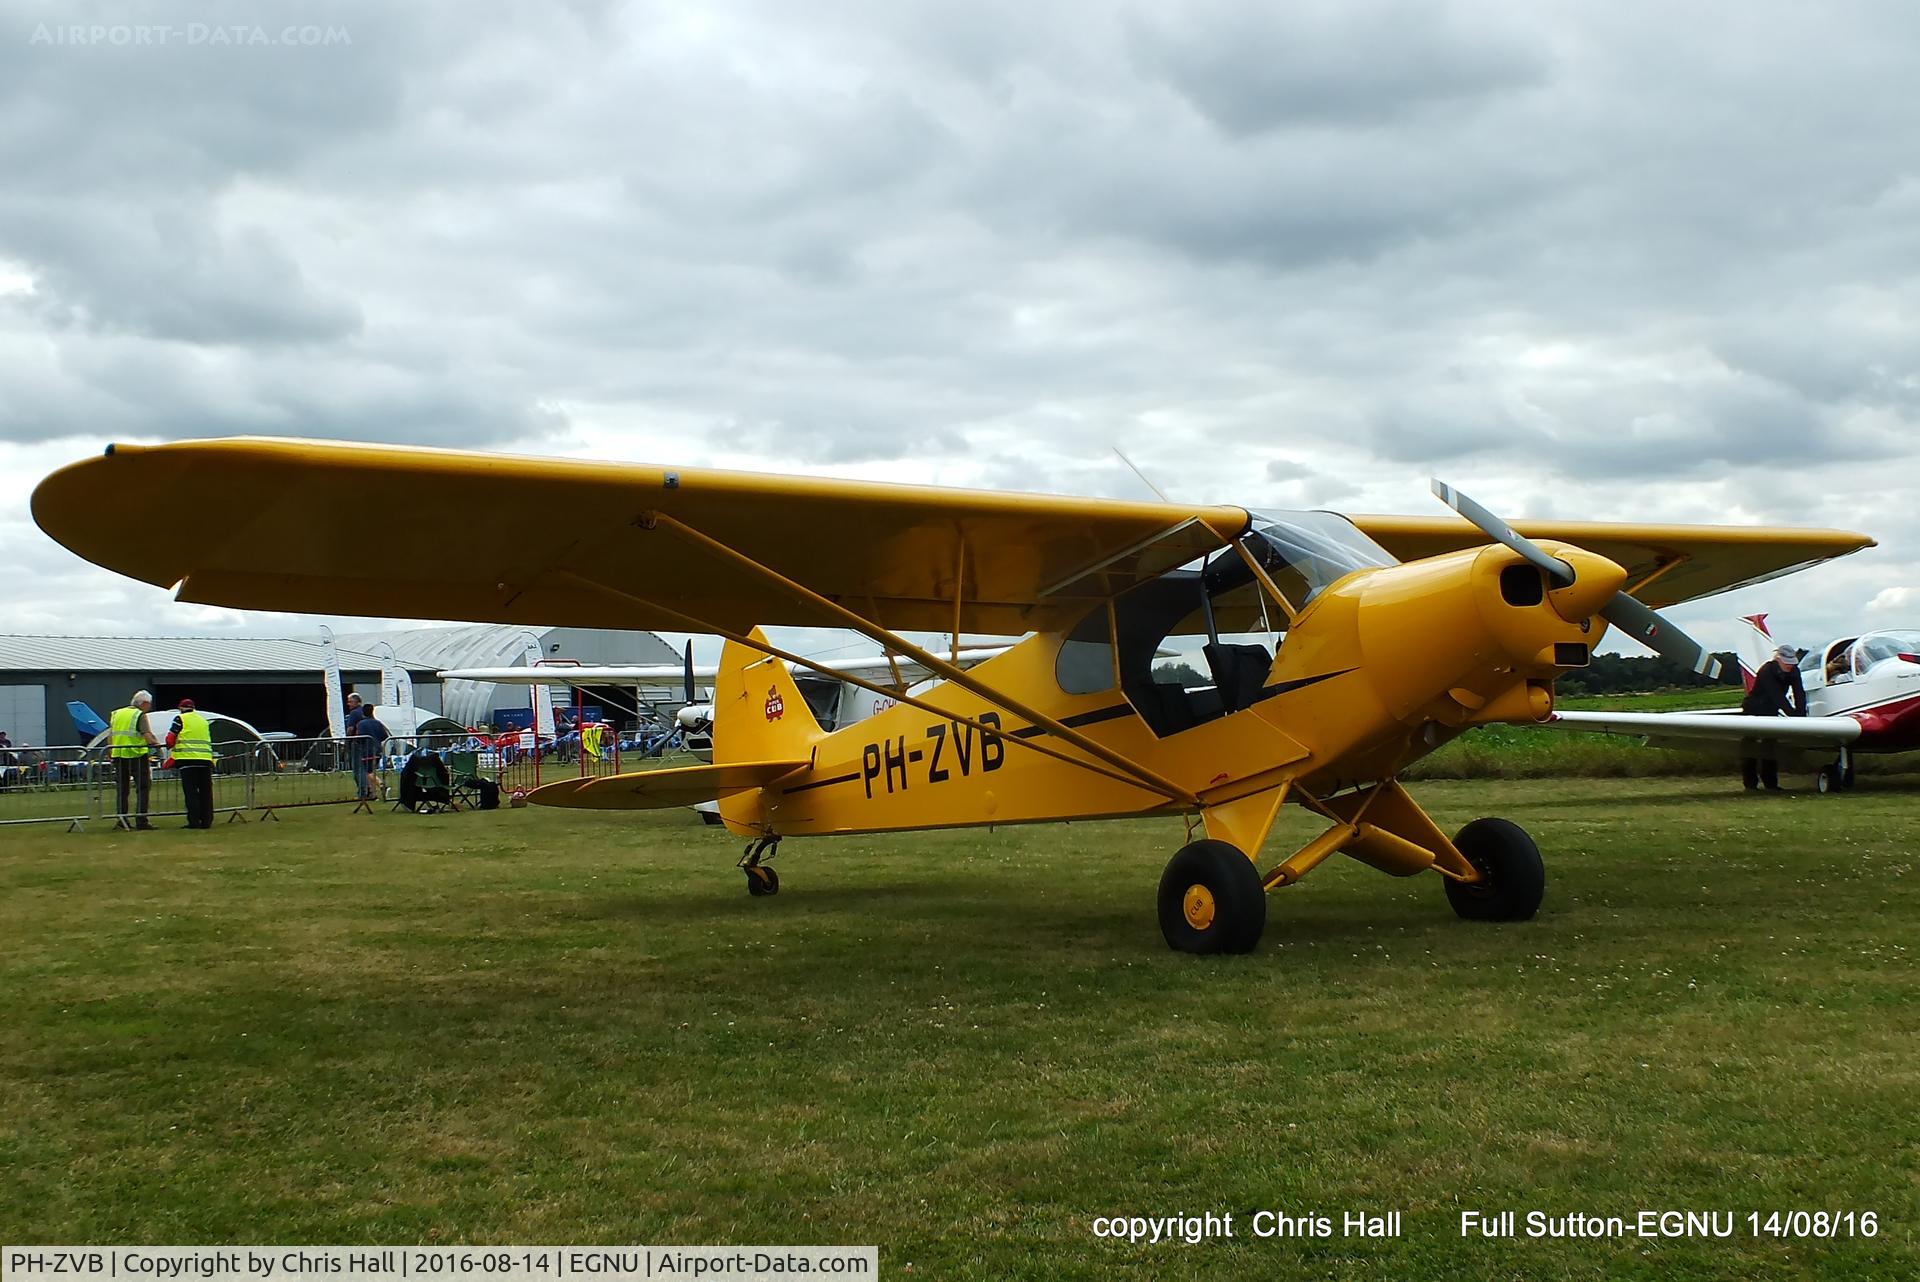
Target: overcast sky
<point x="1619" y="261"/>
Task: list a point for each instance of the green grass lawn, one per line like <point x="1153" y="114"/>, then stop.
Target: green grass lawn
<point x="555" y="1026"/>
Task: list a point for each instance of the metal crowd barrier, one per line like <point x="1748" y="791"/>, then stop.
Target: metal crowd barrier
<point x="76" y="785"/>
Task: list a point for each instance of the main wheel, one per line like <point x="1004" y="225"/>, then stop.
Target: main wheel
<point x="762" y="881"/>
<point x="1829" y="780"/>
<point x="1211" y="900"/>
<point x="1513" y="879"/>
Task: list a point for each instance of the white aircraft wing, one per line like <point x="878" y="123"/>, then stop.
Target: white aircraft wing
<point x="672" y="674"/>
<point x="1704" y="728"/>
<point x="639" y="674"/>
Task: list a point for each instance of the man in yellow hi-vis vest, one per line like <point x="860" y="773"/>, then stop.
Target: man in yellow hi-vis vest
<point x="192" y="742"/>
<point x="130" y="743"/>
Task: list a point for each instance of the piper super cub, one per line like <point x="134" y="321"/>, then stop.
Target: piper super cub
<point x="1396" y="634"/>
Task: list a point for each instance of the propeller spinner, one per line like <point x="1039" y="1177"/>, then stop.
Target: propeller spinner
<point x="1638" y="621"/>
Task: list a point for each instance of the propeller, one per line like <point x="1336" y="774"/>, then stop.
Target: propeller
<point x="693" y="715"/>
<point x="1638" y="621"/>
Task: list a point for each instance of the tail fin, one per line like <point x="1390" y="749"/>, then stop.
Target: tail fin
<point x="758" y="712"/>
<point x="88" y="722"/>
<point x="1756" y="647"/>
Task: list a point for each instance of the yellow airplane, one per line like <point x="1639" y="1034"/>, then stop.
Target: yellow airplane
<point x="1399" y="633"/>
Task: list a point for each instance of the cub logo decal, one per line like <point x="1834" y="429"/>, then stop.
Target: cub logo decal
<point x="776" y="706"/>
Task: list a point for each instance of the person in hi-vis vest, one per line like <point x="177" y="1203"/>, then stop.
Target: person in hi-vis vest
<point x="130" y="743"/>
<point x="191" y="740"/>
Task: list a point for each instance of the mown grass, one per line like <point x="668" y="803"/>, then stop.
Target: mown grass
<point x="547" y="1026"/>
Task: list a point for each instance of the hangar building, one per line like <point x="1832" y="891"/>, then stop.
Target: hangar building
<point x="278" y="683"/>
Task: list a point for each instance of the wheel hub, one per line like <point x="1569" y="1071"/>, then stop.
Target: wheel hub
<point x="1198" y="905"/>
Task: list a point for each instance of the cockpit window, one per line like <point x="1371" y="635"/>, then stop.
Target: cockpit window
<point x="1880" y="646"/>
<point x="1307" y="552"/>
<point x="1839" y="661"/>
<point x="1085" y="662"/>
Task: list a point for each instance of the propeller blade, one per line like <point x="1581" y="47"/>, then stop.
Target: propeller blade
<point x="1638" y="621"/>
<point x="1500" y="532"/>
<point x="1645" y="625"/>
<point x="688" y="692"/>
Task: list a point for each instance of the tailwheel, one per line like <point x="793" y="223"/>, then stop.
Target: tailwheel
<point x="1211" y="900"/>
<point x="761" y="880"/>
<point x="1512" y="878"/>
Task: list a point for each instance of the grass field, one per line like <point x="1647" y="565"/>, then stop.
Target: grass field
<point x="541" y="1026"/>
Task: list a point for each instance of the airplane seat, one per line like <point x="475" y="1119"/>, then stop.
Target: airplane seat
<point x="1167" y="709"/>
<point x="1239" y="672"/>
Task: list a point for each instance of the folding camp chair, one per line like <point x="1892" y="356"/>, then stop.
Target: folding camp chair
<point x="464" y="769"/>
<point x="424" y="785"/>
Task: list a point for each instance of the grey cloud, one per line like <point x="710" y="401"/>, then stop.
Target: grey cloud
<point x="1252" y="67"/>
<point x="168" y="273"/>
<point x="135" y="389"/>
<point x="1577" y="262"/>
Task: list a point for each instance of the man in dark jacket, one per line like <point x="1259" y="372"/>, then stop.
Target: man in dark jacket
<point x="1777" y="690"/>
<point x="364" y="743"/>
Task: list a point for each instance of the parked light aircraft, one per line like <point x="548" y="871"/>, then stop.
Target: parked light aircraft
<point x="1399" y="633"/>
<point x="1863" y="695"/>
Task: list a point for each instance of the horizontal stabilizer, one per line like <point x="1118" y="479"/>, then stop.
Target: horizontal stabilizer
<point x="661" y="789"/>
<point x="1716" y="727"/>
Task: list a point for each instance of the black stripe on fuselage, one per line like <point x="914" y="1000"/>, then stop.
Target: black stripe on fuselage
<point x="1111" y="712"/>
<point x="820" y="783"/>
<point x="1094" y="718"/>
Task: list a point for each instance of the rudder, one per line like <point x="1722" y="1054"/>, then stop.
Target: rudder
<point x="758" y="711"/>
<point x="1756" y="647"/>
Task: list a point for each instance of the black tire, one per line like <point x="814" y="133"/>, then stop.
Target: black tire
<point x="1232" y="908"/>
<point x="762" y="881"/>
<point x="1514" y="878"/>
<point x="1846" y="779"/>
<point x="1828" y="780"/>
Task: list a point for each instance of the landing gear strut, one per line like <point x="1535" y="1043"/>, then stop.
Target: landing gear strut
<point x="761" y="880"/>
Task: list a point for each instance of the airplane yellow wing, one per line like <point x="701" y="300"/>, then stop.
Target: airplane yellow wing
<point x="409" y="533"/>
<point x="1674" y="562"/>
<point x="661" y="789"/>
<point x="353" y="529"/>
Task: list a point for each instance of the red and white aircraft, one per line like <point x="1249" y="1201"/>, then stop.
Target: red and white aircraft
<point x="1863" y="695"/>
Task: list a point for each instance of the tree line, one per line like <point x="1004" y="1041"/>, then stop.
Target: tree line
<point x="1606" y="674"/>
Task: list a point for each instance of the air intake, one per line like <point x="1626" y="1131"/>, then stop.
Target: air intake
<point x="1522" y="585"/>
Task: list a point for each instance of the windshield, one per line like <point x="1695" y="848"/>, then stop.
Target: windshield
<point x="1306" y="552"/>
<point x="1885" y="645"/>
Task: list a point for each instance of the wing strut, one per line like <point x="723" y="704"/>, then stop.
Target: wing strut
<point x="932" y="663"/>
<point x="899" y="696"/>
